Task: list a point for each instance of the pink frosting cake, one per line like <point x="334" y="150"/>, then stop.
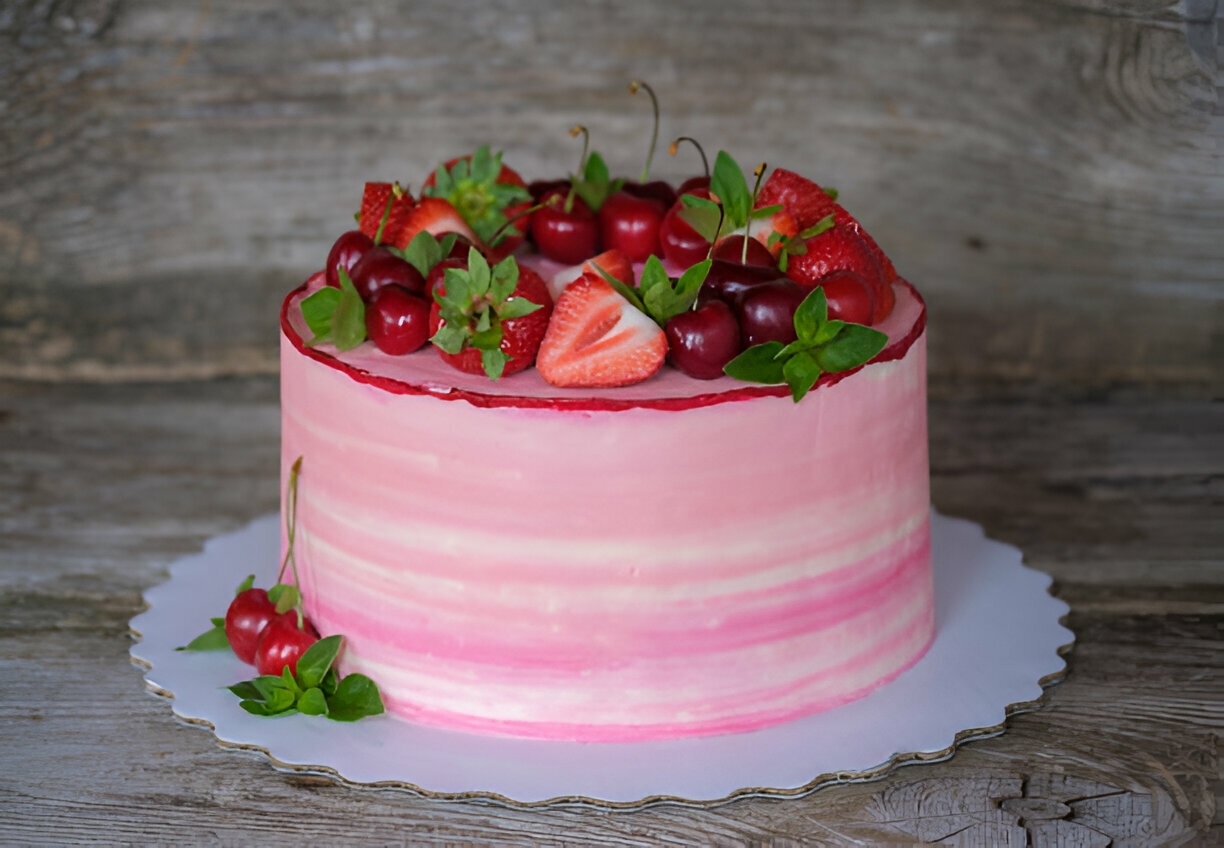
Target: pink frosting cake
<point x="675" y="558"/>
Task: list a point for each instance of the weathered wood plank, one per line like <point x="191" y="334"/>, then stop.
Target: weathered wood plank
<point x="1047" y="173"/>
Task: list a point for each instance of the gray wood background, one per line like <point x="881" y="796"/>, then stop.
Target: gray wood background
<point x="1050" y="174"/>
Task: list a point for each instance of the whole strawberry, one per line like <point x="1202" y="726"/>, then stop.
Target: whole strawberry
<point x="490" y="320"/>
<point x="489" y="196"/>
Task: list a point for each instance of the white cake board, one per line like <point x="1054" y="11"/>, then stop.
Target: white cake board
<point x="999" y="641"/>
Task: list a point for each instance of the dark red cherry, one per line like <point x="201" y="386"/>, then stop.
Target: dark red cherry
<point x="345" y="253"/>
<point x="540" y="189"/>
<point x="849" y="298"/>
<point x="657" y="190"/>
<point x="726" y="281"/>
<point x="766" y="313"/>
<point x="701" y="341"/>
<point x="630" y="224"/>
<point x="691" y="185"/>
<point x="570" y="237"/>
<point x="731" y="248"/>
<point x="459" y="250"/>
<point x="380" y="267"/>
<point x="681" y="244"/>
<point x="397" y="321"/>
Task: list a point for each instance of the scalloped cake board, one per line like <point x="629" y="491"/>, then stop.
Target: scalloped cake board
<point x="999" y="642"/>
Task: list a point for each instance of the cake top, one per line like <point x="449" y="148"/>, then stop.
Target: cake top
<point x="593" y="292"/>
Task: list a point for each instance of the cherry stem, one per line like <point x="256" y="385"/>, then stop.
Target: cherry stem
<point x="291" y="491"/>
<point x="654" y="136"/>
<point x="756" y="189"/>
<point x="586" y="146"/>
<point x="705" y="163"/>
<point x="497" y="236"/>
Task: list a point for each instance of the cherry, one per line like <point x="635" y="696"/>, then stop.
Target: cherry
<point x="282" y="643"/>
<point x="681" y="244"/>
<point x="657" y="190"/>
<point x="459" y="250"/>
<point x="438" y="272"/>
<point x="630" y="224"/>
<point x="692" y="184"/>
<point x="397" y="321"/>
<point x="247" y="616"/>
<point x="380" y="267"/>
<point x="568" y="237"/>
<point x="766" y="312"/>
<point x="540" y="189"/>
<point x="849" y="298"/>
<point x="731" y="248"/>
<point x="727" y="281"/>
<point x="349" y="248"/>
<point x="703" y="340"/>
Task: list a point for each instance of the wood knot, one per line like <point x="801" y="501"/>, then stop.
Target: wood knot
<point x="1036" y="809"/>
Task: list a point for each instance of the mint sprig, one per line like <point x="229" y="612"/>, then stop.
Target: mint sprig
<point x="821" y="347"/>
<point x="316" y="688"/>
<point x="733" y="209"/>
<point x="335" y="315"/>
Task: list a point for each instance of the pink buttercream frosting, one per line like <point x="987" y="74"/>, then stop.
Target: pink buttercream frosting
<point x="671" y="559"/>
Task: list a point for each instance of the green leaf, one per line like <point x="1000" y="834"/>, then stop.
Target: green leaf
<point x="517" y="307"/>
<point x="757" y="364"/>
<point x="703" y="215"/>
<point x="245" y="584"/>
<point x="291" y="684"/>
<point x="449" y="339"/>
<point x="317" y="311"/>
<point x="246" y="690"/>
<point x="457" y="283"/>
<point x="317" y="660"/>
<point x="285" y="596"/>
<point x="422" y="253"/>
<point x="505" y="279"/>
<point x="765" y="212"/>
<point x="855" y="345"/>
<point x="594" y="186"/>
<point x="828" y="331"/>
<point x="479" y="273"/>
<point x="629" y="293"/>
<point x="268" y="685"/>
<point x="801" y="372"/>
<point x="664" y="300"/>
<point x="312" y="702"/>
<point x="357" y="696"/>
<point x="824" y="224"/>
<point x="727" y="183"/>
<point x="281" y="700"/>
<point x="330" y="681"/>
<point x="209" y="640"/>
<point x="258" y="708"/>
<point x="489" y="339"/>
<point x="811" y="315"/>
<point x="348" y="321"/>
<point x="596" y="170"/>
<point x="653" y="274"/>
<point x="493" y="362"/>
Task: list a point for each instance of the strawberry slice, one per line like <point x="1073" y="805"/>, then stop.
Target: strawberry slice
<point x="597" y="339"/>
<point x="615" y="263"/>
<point x="374" y="202"/>
<point x="436" y="217"/>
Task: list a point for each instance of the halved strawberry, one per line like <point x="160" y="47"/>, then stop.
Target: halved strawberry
<point x="805" y="201"/>
<point x="374" y="202"/>
<point x="434" y="216"/>
<point x="487" y="195"/>
<point x="597" y="339"/>
<point x="489" y="320"/>
<point x="615" y="263"/>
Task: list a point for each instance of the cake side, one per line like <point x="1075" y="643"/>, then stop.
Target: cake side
<point x="617" y="574"/>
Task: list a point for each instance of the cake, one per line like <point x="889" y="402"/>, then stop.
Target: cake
<point x="610" y="562"/>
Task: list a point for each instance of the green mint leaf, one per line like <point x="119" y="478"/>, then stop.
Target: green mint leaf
<point x="757" y="364"/>
<point x="284" y="596"/>
<point x="703" y="215"/>
<point x="727" y="183"/>
<point x="357" y="696"/>
<point x="330" y="681"/>
<point x="811" y="314"/>
<point x="245" y="584"/>
<point x="217" y="622"/>
<point x="855" y="345"/>
<point x="281" y="700"/>
<point x="493" y="362"/>
<point x="268" y="685"/>
<point x="246" y="690"/>
<point x="256" y="708"/>
<point x="317" y="311"/>
<point x="596" y="170"/>
<point x="653" y="275"/>
<point x="209" y="640"/>
<point x="690" y="281"/>
<point x="312" y="702"/>
<point x="824" y="224"/>
<point x="801" y="372"/>
<point x="627" y="292"/>
<point x="828" y="332"/>
<point x="348" y="321"/>
<point x="665" y="301"/>
<point x="517" y="307"/>
<point x="317" y="660"/>
<point x="290" y="682"/>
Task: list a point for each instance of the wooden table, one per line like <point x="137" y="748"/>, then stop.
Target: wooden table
<point x="1049" y="174"/>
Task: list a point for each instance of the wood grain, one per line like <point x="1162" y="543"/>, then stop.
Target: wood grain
<point x="104" y="485"/>
<point x="1048" y="173"/>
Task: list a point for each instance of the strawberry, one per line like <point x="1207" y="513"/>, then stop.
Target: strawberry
<point x="489" y="320"/>
<point x="841" y="249"/>
<point x="434" y="216"/>
<point x="598" y="339"/>
<point x="802" y="199"/>
<point x="374" y="202"/>
<point x="488" y="196"/>
<point x="615" y="263"/>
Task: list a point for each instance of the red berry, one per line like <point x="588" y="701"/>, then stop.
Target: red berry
<point x="703" y="340"/>
<point x="727" y="281"/>
<point x="691" y="185"/>
<point x="849" y="298"/>
<point x="766" y="312"/>
<point x="680" y="243"/>
<point x="397" y="321"/>
<point x="345" y="253"/>
<point x="631" y="224"/>
<point x="731" y="248"/>
<point x="247" y="616"/>
<point x="282" y="643"/>
<point x="568" y="237"/>
<point x="658" y="190"/>
<point x="380" y="267"/>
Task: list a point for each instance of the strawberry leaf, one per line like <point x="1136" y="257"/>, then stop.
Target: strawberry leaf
<point x="425" y="251"/>
<point x="493" y="362"/>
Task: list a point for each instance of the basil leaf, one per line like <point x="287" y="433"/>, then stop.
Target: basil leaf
<point x="348" y="321"/>
<point x="317" y="311"/>
<point x="312" y="702"/>
<point x="757" y="364"/>
<point x="247" y="690"/>
<point x="356" y="696"/>
<point x="284" y="596"/>
<point x="855" y="345"/>
<point x="209" y="640"/>
<point x="811" y="315"/>
<point x="727" y="183"/>
<point x="317" y="660"/>
<point x="801" y="372"/>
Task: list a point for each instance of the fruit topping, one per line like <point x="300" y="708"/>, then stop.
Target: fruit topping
<point x="247" y="616"/>
<point x="397" y="321"/>
<point x="282" y="643"/>
<point x="613" y="263"/>
<point x="565" y="229"/>
<point x="384" y="212"/>
<point x="437" y="217"/>
<point x="598" y="339"/>
<point x="849" y="298"/>
<point x="490" y="320"/>
<point x="766" y="313"/>
<point x="345" y="253"/>
<point x="732" y="248"/>
<point x="703" y="340"/>
<point x="486" y="194"/>
<point x="380" y="267"/>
